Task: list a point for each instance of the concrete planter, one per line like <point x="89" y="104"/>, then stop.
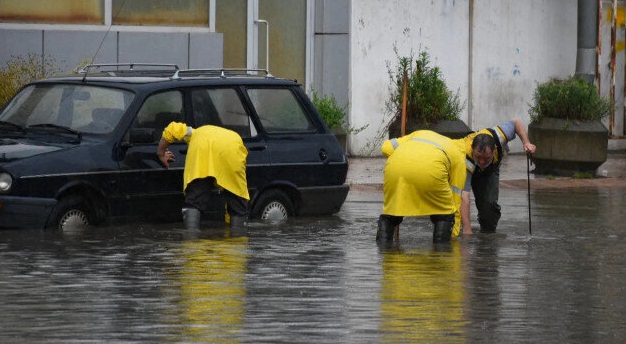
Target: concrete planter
<point x="452" y="129"/>
<point x="566" y="147"/>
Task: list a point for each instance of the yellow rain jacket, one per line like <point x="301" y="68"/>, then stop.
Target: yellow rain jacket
<point x="213" y="152"/>
<point x="424" y="175"/>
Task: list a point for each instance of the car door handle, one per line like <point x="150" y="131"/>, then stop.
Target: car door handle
<point x="257" y="147"/>
<point x="323" y="155"/>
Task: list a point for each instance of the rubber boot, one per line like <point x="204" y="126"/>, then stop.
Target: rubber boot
<point x="442" y="231"/>
<point x="386" y="229"/>
<point x="191" y="218"/>
<point x="237" y="221"/>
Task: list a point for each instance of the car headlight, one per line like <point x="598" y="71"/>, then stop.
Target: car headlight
<point x="5" y="182"/>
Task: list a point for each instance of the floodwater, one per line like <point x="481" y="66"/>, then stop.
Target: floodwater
<point x="324" y="280"/>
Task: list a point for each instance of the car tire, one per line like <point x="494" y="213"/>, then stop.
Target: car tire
<point x="273" y="205"/>
<point x="70" y="214"/>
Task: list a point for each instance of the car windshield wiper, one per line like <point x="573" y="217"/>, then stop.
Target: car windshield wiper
<point x="46" y="126"/>
<point x="12" y="125"/>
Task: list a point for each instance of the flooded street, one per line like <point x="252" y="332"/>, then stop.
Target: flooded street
<point x="324" y="280"/>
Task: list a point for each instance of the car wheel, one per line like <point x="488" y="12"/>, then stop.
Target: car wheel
<point x="71" y="213"/>
<point x="273" y="205"/>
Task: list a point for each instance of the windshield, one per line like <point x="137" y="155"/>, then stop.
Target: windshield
<point x="85" y="109"/>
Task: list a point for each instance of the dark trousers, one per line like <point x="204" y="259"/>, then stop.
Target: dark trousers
<point x="486" y="188"/>
<point x="200" y="191"/>
<point x="396" y="220"/>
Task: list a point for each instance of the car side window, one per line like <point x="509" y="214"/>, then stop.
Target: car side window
<point x="158" y="111"/>
<point x="279" y="110"/>
<point x="222" y="107"/>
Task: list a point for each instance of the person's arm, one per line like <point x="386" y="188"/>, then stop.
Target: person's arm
<point x="465" y="213"/>
<point x="520" y="130"/>
<point x="164" y="154"/>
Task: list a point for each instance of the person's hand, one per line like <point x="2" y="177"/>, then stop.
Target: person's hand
<point x="467" y="230"/>
<point x="529" y="148"/>
<point x="167" y="157"/>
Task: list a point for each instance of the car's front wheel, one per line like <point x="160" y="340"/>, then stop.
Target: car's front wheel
<point x="273" y="205"/>
<point x="71" y="213"/>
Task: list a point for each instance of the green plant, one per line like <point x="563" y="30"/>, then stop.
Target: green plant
<point x="333" y="115"/>
<point x="571" y="99"/>
<point x="583" y="175"/>
<point x="428" y="98"/>
<point x="22" y="69"/>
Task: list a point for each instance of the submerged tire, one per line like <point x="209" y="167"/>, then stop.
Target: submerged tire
<point x="273" y="205"/>
<point x="71" y="213"/>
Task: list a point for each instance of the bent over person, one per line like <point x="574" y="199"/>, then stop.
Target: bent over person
<point x="424" y="175"/>
<point x="216" y="158"/>
<point x="484" y="151"/>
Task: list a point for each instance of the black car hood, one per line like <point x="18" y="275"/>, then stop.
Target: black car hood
<point x="11" y="149"/>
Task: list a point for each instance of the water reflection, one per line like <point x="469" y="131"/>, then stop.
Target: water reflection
<point x="422" y="295"/>
<point x="206" y="280"/>
<point x="325" y="280"/>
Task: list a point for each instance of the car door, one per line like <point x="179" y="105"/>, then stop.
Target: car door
<point x="148" y="187"/>
<point x="224" y="107"/>
<point x="300" y="152"/>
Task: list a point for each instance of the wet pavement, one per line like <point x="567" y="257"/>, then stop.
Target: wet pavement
<point x="325" y="280"/>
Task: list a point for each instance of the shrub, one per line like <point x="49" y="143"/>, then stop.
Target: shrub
<point x="428" y="98"/>
<point x="22" y="69"/>
<point x="571" y="99"/>
<point x="333" y="115"/>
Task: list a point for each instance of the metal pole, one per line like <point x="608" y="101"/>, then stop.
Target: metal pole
<point x="530" y="230"/>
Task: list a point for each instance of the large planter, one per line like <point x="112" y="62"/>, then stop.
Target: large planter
<point x="565" y="147"/>
<point x="453" y="129"/>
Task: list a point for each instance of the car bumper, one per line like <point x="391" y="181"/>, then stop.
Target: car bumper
<point x="324" y="200"/>
<point x="22" y="212"/>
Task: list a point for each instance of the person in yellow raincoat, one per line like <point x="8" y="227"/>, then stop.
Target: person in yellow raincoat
<point x="424" y="175"/>
<point x="216" y="158"/>
<point x="484" y="152"/>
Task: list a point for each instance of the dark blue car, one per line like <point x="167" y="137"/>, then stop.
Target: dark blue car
<point x="75" y="151"/>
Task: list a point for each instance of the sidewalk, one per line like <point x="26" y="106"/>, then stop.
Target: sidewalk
<point x="365" y="175"/>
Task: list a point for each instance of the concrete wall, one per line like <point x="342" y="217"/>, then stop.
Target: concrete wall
<point x="495" y="63"/>
<point x="69" y="48"/>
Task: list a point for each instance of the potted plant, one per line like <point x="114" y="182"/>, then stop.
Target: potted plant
<point x="566" y="126"/>
<point x="334" y="116"/>
<point x="429" y="102"/>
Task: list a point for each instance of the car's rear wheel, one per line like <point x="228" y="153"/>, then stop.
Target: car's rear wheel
<point x="70" y="214"/>
<point x="273" y="205"/>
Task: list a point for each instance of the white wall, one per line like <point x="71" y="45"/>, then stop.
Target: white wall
<point x="514" y="45"/>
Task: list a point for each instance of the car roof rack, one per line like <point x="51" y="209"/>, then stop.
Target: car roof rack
<point x="126" y="69"/>
<point x="221" y="72"/>
<point x="166" y="70"/>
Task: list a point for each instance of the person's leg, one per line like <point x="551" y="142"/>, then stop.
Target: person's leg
<point x="486" y="190"/>
<point x="237" y="208"/>
<point x="387" y="226"/>
<point x="443" y="224"/>
<point x="197" y="195"/>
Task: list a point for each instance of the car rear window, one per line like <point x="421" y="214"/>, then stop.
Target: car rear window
<point x="279" y="110"/>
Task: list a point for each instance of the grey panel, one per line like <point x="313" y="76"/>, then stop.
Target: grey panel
<point x="72" y="48"/>
<point x="332" y="16"/>
<point x="154" y="47"/>
<point x="206" y="50"/>
<point x="19" y="42"/>
<point x="332" y="66"/>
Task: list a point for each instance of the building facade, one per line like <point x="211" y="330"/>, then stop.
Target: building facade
<point x="493" y="52"/>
